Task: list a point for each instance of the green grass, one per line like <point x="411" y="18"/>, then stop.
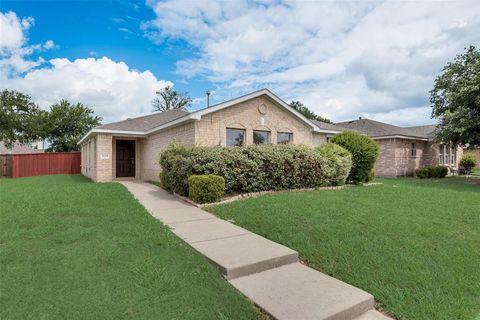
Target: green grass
<point x="73" y="249"/>
<point x="414" y="244"/>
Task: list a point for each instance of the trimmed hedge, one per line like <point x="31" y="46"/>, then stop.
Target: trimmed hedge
<point x="340" y="162"/>
<point x="364" y="154"/>
<point x="431" y="172"/>
<point x="247" y="169"/>
<point x="468" y="162"/>
<point x="206" y="188"/>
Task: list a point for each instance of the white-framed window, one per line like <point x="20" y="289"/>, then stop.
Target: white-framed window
<point x="261" y="137"/>
<point x="453" y="155"/>
<point x="413" y="150"/>
<point x="235" y="137"/>
<point x="284" y="137"/>
<point x="447" y="154"/>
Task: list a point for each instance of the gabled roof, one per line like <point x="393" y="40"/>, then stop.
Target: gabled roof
<point x="146" y="125"/>
<point x="377" y="129"/>
<point x="332" y="126"/>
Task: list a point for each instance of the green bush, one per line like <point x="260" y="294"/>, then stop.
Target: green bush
<point x="468" y="162"/>
<point x="247" y="169"/>
<point x="431" y="172"/>
<point x="206" y="188"/>
<point x="340" y="162"/>
<point x="364" y="154"/>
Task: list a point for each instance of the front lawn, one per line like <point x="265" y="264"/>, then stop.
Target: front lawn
<point x="73" y="249"/>
<point x="414" y="244"/>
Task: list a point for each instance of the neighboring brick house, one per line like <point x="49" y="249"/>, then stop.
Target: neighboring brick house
<point x="131" y="148"/>
<point x="404" y="149"/>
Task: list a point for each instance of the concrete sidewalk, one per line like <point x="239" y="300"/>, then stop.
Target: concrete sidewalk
<point x="266" y="272"/>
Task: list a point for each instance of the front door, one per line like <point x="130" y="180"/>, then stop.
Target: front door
<point x="125" y="158"/>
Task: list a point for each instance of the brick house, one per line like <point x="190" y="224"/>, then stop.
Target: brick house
<point x="404" y="149"/>
<point x="131" y="148"/>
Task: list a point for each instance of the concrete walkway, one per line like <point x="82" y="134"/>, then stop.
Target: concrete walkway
<point x="266" y="272"/>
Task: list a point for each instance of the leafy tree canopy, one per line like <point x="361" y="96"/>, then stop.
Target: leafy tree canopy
<point x="18" y="118"/>
<point x="455" y="99"/>
<point x="67" y="123"/>
<point x="300" y="107"/>
<point x="169" y="99"/>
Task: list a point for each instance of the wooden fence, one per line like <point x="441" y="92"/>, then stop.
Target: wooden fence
<point x="38" y="164"/>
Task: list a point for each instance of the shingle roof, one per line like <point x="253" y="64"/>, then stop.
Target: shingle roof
<point x="145" y="123"/>
<point x="379" y="129"/>
<point x="331" y="126"/>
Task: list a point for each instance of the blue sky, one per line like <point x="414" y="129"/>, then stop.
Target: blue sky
<point x="374" y="59"/>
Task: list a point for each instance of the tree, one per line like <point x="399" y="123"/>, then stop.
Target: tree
<point x="309" y="114"/>
<point x="19" y="118"/>
<point x="455" y="100"/>
<point x="67" y="123"/>
<point x="169" y="99"/>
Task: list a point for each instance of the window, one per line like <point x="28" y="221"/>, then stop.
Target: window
<point x="235" y="137"/>
<point x="413" y="150"/>
<point x="261" y="137"/>
<point x="453" y="155"/>
<point x="447" y="154"/>
<point x="284" y="137"/>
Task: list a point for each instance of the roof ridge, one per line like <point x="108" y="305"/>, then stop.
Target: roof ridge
<point x="144" y="116"/>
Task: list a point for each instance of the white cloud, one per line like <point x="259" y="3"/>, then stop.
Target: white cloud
<point x="343" y="59"/>
<point x="14" y="47"/>
<point x="114" y="90"/>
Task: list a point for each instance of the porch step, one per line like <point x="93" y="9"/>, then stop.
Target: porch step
<point x="295" y="291"/>
<point x="373" y="315"/>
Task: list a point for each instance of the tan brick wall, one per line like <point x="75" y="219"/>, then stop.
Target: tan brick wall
<point x="319" y="138"/>
<point x="88" y="159"/>
<point x="151" y="147"/>
<point x="211" y="129"/>
<point x="104" y="172"/>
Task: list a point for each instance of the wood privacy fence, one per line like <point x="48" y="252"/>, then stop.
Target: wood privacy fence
<point x="38" y="164"/>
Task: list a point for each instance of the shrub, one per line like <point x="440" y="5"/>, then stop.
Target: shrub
<point x="468" y="162"/>
<point x="364" y="154"/>
<point x="206" y="188"/>
<point x="340" y="162"/>
<point x="247" y="169"/>
<point x="432" y="172"/>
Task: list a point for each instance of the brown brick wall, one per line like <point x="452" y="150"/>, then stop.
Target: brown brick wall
<point x="211" y="129"/>
<point x="395" y="158"/>
<point x="88" y="165"/>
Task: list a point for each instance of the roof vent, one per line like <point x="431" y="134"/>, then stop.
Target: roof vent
<point x="359" y="118"/>
<point x="208" y="98"/>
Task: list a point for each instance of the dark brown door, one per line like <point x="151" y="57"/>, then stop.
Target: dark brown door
<point x="125" y="158"/>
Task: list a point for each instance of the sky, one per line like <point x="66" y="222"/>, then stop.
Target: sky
<point x="343" y="59"/>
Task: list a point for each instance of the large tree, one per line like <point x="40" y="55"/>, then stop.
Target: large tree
<point x="455" y="100"/>
<point x="300" y="107"/>
<point x="19" y="118"/>
<point x="67" y="123"/>
<point x="169" y="99"/>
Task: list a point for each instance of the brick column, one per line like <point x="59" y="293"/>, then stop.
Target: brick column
<point x="104" y="158"/>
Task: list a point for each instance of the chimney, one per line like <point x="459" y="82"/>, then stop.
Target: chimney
<point x="208" y="99"/>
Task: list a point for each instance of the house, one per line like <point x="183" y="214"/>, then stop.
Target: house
<point x="21" y="148"/>
<point x="405" y="149"/>
<point x="131" y="148"/>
